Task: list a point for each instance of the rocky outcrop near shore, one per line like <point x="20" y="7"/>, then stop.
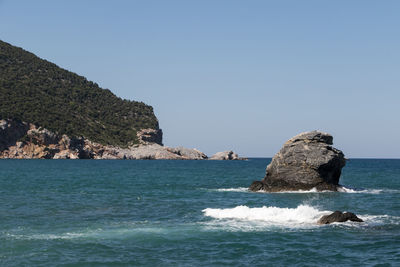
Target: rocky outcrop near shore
<point x="306" y="161"/>
<point x="187" y="153"/>
<point x="21" y="140"/>
<point x="226" y="155"/>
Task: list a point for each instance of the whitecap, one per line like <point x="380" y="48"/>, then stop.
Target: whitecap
<point x="244" y="218"/>
<point x="303" y="215"/>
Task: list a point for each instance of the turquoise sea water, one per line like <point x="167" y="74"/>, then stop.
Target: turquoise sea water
<point x="191" y="213"/>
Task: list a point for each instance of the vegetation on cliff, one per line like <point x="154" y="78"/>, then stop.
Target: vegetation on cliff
<point x="37" y="91"/>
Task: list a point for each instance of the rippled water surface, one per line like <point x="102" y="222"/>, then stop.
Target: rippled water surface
<point x="191" y="213"/>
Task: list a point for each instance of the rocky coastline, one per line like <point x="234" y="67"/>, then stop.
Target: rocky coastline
<point x="22" y="140"/>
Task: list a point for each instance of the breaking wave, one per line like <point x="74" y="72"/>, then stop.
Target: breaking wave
<point x="301" y="215"/>
<point x="244" y="218"/>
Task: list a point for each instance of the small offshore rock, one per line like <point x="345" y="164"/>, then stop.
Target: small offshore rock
<point x="339" y="216"/>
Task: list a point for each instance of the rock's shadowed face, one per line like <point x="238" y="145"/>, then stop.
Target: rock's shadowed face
<point x="339" y="216"/>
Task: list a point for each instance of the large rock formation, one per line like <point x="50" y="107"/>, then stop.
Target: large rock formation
<point x="305" y="161"/>
<point x="148" y="136"/>
<point x="339" y="216"/>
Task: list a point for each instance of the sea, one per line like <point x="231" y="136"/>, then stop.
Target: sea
<point x="191" y="213"/>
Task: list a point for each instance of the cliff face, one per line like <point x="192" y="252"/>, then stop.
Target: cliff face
<point x="149" y="136"/>
<point x="24" y="141"/>
<point x="39" y="92"/>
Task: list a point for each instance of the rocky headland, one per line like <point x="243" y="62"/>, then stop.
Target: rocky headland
<point x="48" y="112"/>
<point x="306" y="161"/>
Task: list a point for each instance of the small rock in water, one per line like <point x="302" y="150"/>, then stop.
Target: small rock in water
<point x="339" y="216"/>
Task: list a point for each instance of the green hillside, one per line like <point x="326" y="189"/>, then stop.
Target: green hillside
<point x="37" y="91"/>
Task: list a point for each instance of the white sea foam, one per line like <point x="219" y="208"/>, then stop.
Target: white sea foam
<point x="301" y="216"/>
<point x="246" y="189"/>
<point x="312" y="190"/>
<point x="99" y="233"/>
<point x="243" y="218"/>
<point x="238" y="189"/>
<point x="45" y="236"/>
<point x="341" y="189"/>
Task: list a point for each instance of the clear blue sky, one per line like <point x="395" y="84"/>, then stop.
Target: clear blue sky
<point x="241" y="75"/>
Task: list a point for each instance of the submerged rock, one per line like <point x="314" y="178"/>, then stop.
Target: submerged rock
<point x="304" y="162"/>
<point x="339" y="216"/>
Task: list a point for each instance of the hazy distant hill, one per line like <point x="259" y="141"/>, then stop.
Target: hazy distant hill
<point x="37" y="91"/>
